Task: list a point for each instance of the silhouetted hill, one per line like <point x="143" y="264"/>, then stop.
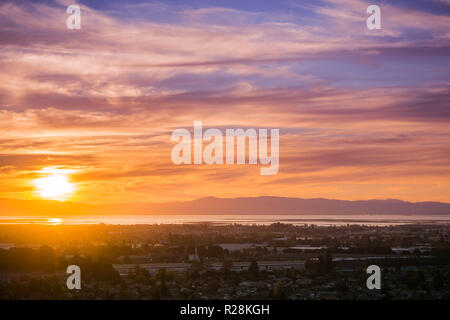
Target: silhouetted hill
<point x="211" y="205"/>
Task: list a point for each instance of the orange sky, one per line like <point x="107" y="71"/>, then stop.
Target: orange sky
<point x="361" y="116"/>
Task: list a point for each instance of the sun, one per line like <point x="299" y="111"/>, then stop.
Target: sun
<point x="55" y="185"/>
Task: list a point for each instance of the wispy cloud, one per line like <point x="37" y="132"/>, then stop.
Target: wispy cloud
<point x="359" y="111"/>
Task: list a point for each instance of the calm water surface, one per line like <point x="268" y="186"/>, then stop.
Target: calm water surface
<point x="323" y="220"/>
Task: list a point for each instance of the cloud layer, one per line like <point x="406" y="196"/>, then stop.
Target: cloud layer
<point x="362" y="114"/>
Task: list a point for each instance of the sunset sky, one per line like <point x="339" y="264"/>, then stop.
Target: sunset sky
<point x="363" y="114"/>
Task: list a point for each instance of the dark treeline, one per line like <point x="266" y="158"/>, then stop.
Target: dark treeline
<point x="26" y="259"/>
<point x="45" y="259"/>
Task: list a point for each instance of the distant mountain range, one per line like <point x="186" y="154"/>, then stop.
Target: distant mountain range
<point x="236" y="206"/>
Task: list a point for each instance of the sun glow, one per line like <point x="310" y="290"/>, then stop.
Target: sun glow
<point x="54" y="221"/>
<point x="55" y="185"/>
